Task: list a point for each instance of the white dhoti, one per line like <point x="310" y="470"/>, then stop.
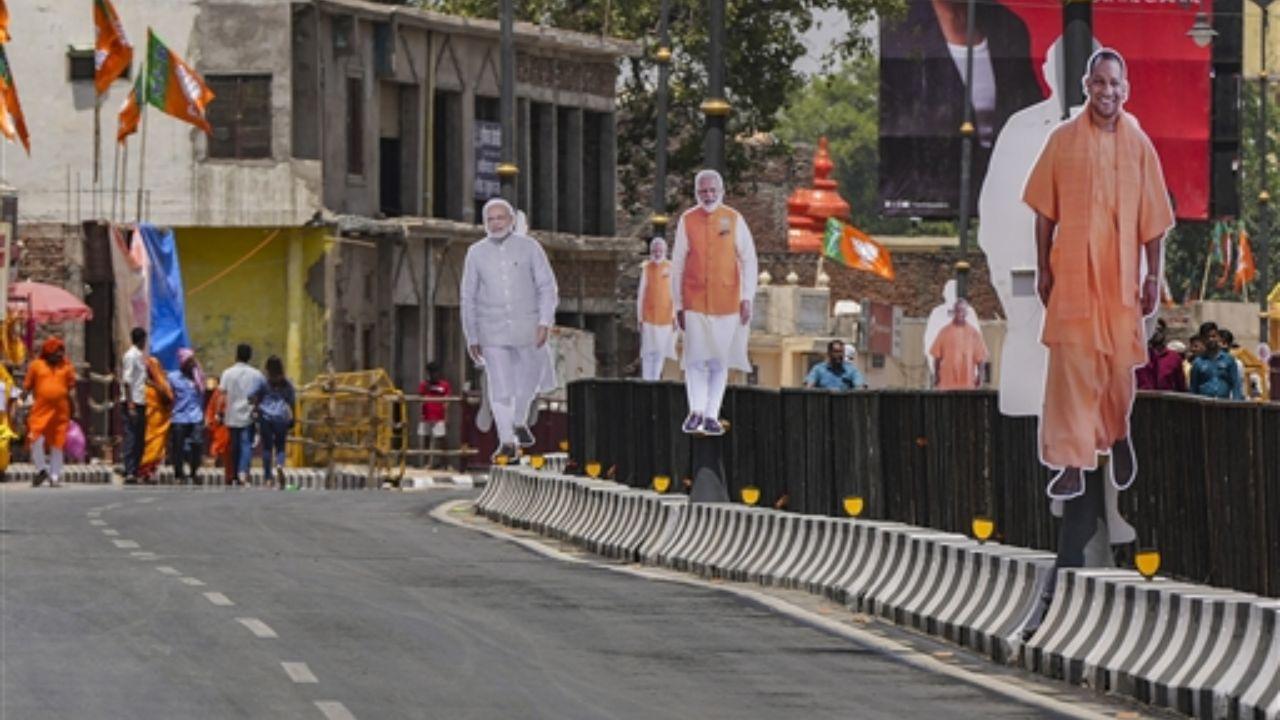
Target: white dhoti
<point x="657" y="343"/>
<point x="514" y="375"/>
<point x="713" y="345"/>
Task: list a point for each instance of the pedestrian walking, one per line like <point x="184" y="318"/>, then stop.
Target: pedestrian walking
<point x="275" y="402"/>
<point x="186" y="435"/>
<point x="133" y="397"/>
<point x="159" y="416"/>
<point x="51" y="380"/>
<point x="240" y="384"/>
<point x="432" y="427"/>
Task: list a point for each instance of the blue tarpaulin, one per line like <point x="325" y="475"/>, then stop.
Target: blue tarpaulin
<point x="168" y="301"/>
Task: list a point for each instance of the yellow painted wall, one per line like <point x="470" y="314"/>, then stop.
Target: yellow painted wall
<point x="250" y="304"/>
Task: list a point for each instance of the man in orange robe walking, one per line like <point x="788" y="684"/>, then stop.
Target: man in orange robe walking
<point x="1101" y="209"/>
<point x="52" y="380"/>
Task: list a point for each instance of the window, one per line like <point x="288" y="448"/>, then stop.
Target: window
<point x="80" y="65"/>
<point x="355" y="126"/>
<point x="240" y="116"/>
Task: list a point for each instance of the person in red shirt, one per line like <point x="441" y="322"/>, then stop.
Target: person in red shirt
<point x="432" y="426"/>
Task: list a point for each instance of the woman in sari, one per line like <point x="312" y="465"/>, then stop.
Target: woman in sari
<point x="159" y="415"/>
<point x="219" y="435"/>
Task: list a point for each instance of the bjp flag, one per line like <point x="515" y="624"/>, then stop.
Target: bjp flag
<point x="853" y="248"/>
<point x="112" y="53"/>
<point x="12" y="123"/>
<point x="131" y="111"/>
<point x="1246" y="270"/>
<point x="173" y="86"/>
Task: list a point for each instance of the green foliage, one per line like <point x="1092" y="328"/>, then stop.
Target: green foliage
<point x="763" y="43"/>
<point x="844" y="106"/>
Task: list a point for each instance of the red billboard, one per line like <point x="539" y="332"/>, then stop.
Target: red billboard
<point x="922" y="92"/>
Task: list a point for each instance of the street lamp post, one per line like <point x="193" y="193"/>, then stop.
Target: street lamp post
<point x="507" y="168"/>
<point x="662" y="56"/>
<point x="966" y="155"/>
<point x="1264" y="197"/>
<point x="715" y="107"/>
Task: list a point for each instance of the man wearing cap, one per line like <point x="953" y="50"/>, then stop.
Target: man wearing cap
<point x="714" y="269"/>
<point x="52" y="380"/>
<point x="656" y="312"/>
<point x="1102" y="211"/>
<point x="509" y="299"/>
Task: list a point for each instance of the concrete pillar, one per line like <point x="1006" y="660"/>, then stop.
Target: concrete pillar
<point x="295" y="289"/>
<point x="545" y="198"/>
<point x="608" y="180"/>
<point x="466" y="135"/>
<point x="571" y="171"/>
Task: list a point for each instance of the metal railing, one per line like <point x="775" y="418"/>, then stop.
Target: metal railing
<point x="1207" y="495"/>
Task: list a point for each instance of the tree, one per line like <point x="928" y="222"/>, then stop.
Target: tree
<point x="844" y="106"/>
<point x="763" y="45"/>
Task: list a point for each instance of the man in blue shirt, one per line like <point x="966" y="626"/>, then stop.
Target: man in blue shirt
<point x="1215" y="373"/>
<point x="835" y="373"/>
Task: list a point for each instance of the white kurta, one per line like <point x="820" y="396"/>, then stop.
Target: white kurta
<point x="720" y="339"/>
<point x="508" y="291"/>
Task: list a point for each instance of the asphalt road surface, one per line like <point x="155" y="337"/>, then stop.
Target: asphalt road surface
<point x="167" y="604"/>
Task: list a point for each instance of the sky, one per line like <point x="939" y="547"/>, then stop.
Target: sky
<point x="827" y="26"/>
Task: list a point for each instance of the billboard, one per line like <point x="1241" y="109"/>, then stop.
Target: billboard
<point x="922" y="92"/>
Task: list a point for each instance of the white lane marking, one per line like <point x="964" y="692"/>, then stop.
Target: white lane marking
<point x="167" y="570"/>
<point x="145" y="500"/>
<point x="218" y="599"/>
<point x="143" y="555"/>
<point x="334" y="710"/>
<point x="113" y="506"/>
<point x="110" y="533"/>
<point x="299" y="672"/>
<point x="92" y="514"/>
<point x="257" y="627"/>
<point x="192" y="582"/>
<point x="98" y="523"/>
<point x="125" y="544"/>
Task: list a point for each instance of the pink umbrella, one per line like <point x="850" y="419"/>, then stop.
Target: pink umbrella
<point x="48" y="303"/>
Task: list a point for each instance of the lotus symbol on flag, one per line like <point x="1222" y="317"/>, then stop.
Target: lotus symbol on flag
<point x="866" y="251"/>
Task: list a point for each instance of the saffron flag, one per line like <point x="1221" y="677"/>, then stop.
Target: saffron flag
<point x="1245" y="269"/>
<point x="853" y="248"/>
<point x="12" y="124"/>
<point x="112" y="52"/>
<point x="131" y="111"/>
<point x="4" y="22"/>
<point x="1226" y="256"/>
<point x="173" y="86"/>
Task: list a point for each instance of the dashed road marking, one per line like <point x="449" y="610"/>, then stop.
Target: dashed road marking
<point x="219" y="599"/>
<point x="192" y="582"/>
<point x="125" y="544"/>
<point x="110" y="533"/>
<point x="334" y="710"/>
<point x="92" y="514"/>
<point x="257" y="627"/>
<point x="98" y="523"/>
<point x="143" y="555"/>
<point x="113" y="506"/>
<point x="167" y="570"/>
<point x="299" y="672"/>
<point x="145" y="500"/>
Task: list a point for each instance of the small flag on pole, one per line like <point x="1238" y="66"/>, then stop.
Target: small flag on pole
<point x="853" y="248"/>
<point x="1245" y="268"/>
<point x="112" y="52"/>
<point x="131" y="111"/>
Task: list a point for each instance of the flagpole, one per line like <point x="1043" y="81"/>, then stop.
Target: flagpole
<point x="1208" y="260"/>
<point x="821" y="256"/>
<point x="115" y="180"/>
<point x="142" y="163"/>
<point x="124" y="180"/>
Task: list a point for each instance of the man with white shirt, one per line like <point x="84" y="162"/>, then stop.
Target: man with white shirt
<point x="508" y="303"/>
<point x="133" y="398"/>
<point x="239" y="385"/>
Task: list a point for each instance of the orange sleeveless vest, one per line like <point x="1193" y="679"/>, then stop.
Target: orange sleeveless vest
<point x="711" y="285"/>
<point x="658" y="305"/>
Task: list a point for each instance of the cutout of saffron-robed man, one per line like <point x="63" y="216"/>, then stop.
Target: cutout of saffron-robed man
<point x="714" y="268"/>
<point x="1102" y="211"/>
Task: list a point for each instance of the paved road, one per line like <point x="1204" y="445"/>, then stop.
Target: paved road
<point x="168" y="604"/>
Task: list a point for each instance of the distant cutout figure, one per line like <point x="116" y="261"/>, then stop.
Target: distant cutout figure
<point x="958" y="353"/>
<point x="940" y="317"/>
<point x="655" y="309"/>
<point x="1102" y="209"/>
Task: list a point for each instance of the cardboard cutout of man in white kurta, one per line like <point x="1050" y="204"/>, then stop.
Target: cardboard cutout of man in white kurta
<point x="1006" y="235"/>
<point x="655" y="311"/>
<point x="940" y="317"/>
